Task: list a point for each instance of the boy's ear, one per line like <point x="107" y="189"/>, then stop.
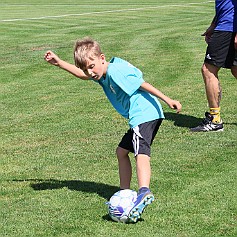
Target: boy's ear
<point x="102" y="57"/>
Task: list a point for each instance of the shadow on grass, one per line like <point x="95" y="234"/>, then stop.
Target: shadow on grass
<point x="104" y="190"/>
<point x="231" y="123"/>
<point x="187" y="121"/>
<point x="108" y="218"/>
<point x="183" y="120"/>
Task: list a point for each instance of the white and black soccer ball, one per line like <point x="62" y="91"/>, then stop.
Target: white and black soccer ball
<point x="120" y="204"/>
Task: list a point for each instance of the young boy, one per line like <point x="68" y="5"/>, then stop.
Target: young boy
<point x="134" y="99"/>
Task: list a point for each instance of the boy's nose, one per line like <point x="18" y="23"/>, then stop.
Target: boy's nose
<point x="90" y="72"/>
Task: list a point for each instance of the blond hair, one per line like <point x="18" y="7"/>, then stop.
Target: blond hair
<point x="85" y="49"/>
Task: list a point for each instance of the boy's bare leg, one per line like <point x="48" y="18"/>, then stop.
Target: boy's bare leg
<point x="143" y="170"/>
<point x="125" y="168"/>
<point x="145" y="197"/>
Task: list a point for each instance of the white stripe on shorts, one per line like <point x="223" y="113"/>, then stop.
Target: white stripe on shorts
<point x="135" y="140"/>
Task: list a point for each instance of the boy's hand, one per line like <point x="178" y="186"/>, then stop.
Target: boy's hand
<point x="52" y="58"/>
<point x="174" y="104"/>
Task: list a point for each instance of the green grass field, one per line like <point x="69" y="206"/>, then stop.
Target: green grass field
<point x="58" y="134"/>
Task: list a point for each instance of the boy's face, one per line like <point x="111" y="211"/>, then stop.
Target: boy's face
<point x="95" y="67"/>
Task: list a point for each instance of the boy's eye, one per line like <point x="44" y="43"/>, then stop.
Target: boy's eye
<point x="85" y="70"/>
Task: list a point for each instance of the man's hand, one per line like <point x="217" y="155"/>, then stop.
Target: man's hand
<point x="208" y="33"/>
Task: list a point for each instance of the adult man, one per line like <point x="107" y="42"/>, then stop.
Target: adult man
<point x="221" y="52"/>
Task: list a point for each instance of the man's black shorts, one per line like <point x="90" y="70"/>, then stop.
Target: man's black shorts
<point x="221" y="51"/>
<point x="139" y="139"/>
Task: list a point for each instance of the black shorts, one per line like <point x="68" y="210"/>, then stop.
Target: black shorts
<point x="221" y="51"/>
<point x="139" y="139"/>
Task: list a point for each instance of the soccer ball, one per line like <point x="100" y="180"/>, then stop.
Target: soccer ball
<point x="120" y="205"/>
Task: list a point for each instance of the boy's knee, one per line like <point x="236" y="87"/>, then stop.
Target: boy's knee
<point x="234" y="71"/>
<point x="121" y="152"/>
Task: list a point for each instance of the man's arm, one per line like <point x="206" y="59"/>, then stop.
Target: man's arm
<point x="210" y="30"/>
<point x="236" y="41"/>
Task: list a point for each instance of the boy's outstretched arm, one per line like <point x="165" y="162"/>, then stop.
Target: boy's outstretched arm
<point x="53" y="59"/>
<point x="173" y="104"/>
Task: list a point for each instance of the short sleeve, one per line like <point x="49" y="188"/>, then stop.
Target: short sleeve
<point x="127" y="77"/>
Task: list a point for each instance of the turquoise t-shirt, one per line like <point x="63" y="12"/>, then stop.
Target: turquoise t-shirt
<point x="121" y="85"/>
